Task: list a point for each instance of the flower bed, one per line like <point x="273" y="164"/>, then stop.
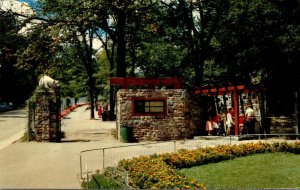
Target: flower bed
<point x="159" y="171"/>
<point x="66" y="112"/>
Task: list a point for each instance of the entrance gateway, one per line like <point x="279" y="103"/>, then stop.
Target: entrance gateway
<point x="169" y="114"/>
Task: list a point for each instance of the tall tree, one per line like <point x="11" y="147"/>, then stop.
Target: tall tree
<point x="71" y="22"/>
<point x="16" y="86"/>
<point x="196" y="23"/>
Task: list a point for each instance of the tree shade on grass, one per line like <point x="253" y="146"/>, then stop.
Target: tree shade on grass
<point x="270" y="170"/>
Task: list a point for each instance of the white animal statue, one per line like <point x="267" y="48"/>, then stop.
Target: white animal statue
<point x="48" y="82"/>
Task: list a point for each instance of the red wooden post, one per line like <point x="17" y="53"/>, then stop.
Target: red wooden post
<point x="236" y="110"/>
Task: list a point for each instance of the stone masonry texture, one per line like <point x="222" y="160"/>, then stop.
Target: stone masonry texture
<point x="175" y="124"/>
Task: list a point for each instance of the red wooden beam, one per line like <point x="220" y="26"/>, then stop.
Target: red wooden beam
<point x="205" y="91"/>
<point x="241" y="87"/>
<point x="213" y="90"/>
<point x="222" y="89"/>
<point x="236" y="110"/>
<point x="131" y="81"/>
<point x="117" y="80"/>
<point x="230" y="88"/>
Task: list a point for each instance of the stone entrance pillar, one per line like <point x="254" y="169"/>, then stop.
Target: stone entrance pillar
<point x="44" y="116"/>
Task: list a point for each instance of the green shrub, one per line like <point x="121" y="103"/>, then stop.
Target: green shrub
<point x="110" y="179"/>
<point x="159" y="171"/>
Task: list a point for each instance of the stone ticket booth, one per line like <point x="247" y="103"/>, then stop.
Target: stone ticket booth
<point x="154" y="114"/>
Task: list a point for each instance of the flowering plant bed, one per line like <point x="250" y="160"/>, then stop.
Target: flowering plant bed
<point x="64" y="113"/>
<point x="159" y="171"/>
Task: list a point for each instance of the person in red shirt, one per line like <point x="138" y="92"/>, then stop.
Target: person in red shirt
<point x="216" y="124"/>
<point x="99" y="111"/>
<point x="241" y="123"/>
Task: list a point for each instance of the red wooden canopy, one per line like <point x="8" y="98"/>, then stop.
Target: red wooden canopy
<point x="212" y="90"/>
<point x="150" y="82"/>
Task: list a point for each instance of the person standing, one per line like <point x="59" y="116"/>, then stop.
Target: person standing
<point x="249" y="119"/>
<point x="100" y="111"/>
<point x="229" y="121"/>
<point x="209" y="121"/>
<point x="217" y="124"/>
<point x="222" y="121"/>
<point x="241" y="123"/>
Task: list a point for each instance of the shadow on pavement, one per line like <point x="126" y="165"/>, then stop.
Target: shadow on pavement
<point x="75" y="140"/>
<point x="12" y="116"/>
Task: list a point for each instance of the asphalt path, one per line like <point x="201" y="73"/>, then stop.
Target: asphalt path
<point x="12" y="126"/>
<point x="40" y="165"/>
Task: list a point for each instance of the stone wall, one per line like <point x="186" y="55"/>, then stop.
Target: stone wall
<point x="44" y="122"/>
<point x="175" y="124"/>
<point x="197" y="104"/>
<point x="282" y="125"/>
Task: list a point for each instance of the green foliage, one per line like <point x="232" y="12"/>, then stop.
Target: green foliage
<point x="16" y="85"/>
<point x="203" y="42"/>
<point x="103" y="74"/>
<point x="250" y="45"/>
<point x="158" y="171"/>
<point x="110" y="179"/>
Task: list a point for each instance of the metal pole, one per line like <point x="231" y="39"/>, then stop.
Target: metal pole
<point x="29" y="121"/>
<point x="174" y="146"/>
<point x="87" y="176"/>
<point x="80" y="166"/>
<point x="103" y="154"/>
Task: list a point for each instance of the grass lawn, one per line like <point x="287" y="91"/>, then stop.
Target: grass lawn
<point x="270" y="170"/>
<point x="101" y="182"/>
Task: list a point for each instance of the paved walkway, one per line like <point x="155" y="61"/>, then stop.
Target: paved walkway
<point x="12" y="126"/>
<point x="32" y="165"/>
<point x="54" y="165"/>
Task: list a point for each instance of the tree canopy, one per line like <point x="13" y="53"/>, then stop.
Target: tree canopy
<point x="202" y="41"/>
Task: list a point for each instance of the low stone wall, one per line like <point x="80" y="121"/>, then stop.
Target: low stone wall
<point x="44" y="116"/>
<point x="175" y="124"/>
<point x="282" y="125"/>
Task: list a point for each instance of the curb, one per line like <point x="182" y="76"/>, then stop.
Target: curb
<point x="12" y="139"/>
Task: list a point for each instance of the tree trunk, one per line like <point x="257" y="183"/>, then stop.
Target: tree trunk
<point x="91" y="94"/>
<point x="121" y="45"/>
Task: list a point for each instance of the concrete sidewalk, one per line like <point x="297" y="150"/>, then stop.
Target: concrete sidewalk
<point x="54" y="165"/>
<point x="32" y="165"/>
<point x="12" y="126"/>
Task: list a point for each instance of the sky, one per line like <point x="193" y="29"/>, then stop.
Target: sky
<point x="31" y="3"/>
<point x="97" y="44"/>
